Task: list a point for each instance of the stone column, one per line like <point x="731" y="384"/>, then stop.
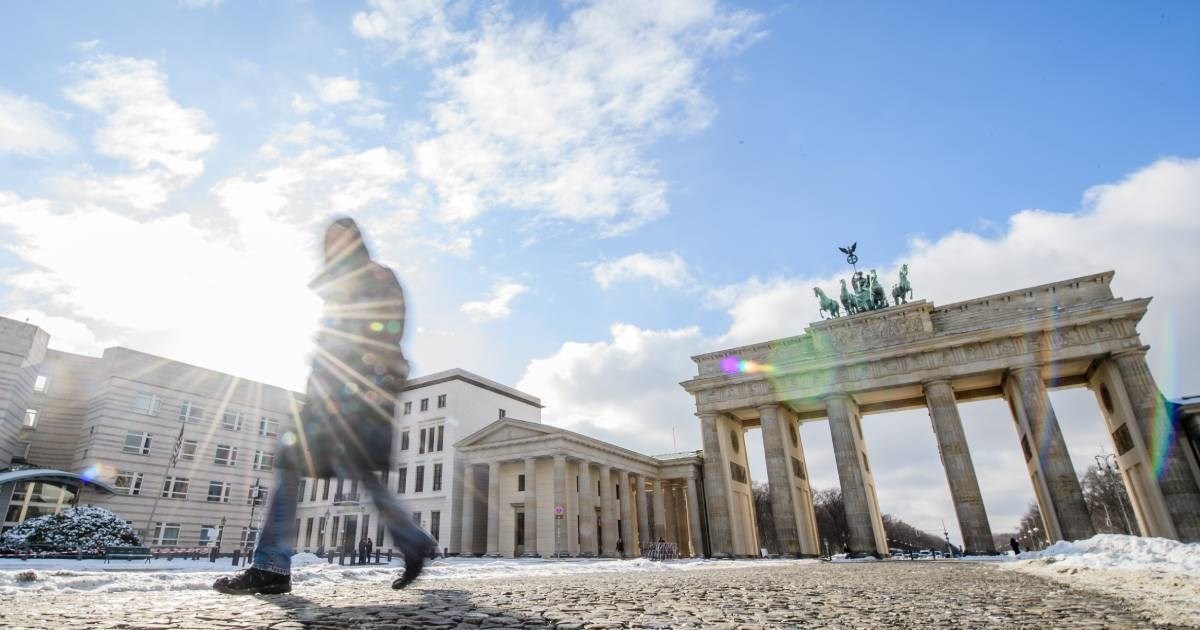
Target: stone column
<point x="1046" y="445"/>
<point x="855" y="495"/>
<point x="645" y="534"/>
<point x="608" y="520"/>
<point x="587" y="511"/>
<point x="716" y="490"/>
<point x="672" y="527"/>
<point x="1159" y="432"/>
<point x="960" y="471"/>
<point x="493" y="510"/>
<point x="693" y="509"/>
<point x="531" y="508"/>
<point x="779" y="478"/>
<point x="627" y="540"/>
<point x="561" y="549"/>
<point x="468" y="511"/>
<point x="660" y="511"/>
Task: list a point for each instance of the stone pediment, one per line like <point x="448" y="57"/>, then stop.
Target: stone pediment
<point x="506" y="430"/>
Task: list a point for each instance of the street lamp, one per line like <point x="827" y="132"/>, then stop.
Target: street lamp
<point x="220" y="534"/>
<point x="1103" y="463"/>
<point x="255" y="496"/>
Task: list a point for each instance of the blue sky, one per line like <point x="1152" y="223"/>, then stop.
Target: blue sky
<point x="579" y="197"/>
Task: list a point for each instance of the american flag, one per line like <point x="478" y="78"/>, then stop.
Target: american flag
<point x="178" y="448"/>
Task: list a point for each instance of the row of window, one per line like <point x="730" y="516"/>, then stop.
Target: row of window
<point x="441" y="404"/>
<point x="139" y="443"/>
<point x="167" y="535"/>
<point x="149" y="404"/>
<point x="431" y="439"/>
<point x="174" y="487"/>
<point x="342" y="492"/>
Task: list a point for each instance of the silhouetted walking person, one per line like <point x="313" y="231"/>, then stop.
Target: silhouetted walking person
<point x="1012" y="542"/>
<point x="345" y="426"/>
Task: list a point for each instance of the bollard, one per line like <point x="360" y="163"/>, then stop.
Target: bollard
<point x="212" y="555"/>
<point x="237" y="555"/>
<point x="389" y="555"/>
<point x="330" y="557"/>
<point x="341" y="558"/>
<point x="376" y="556"/>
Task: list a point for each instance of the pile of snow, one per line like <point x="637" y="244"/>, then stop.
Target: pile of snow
<point x="1118" y="551"/>
<point x="88" y="528"/>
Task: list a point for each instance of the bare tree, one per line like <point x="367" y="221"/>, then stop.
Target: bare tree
<point x="765" y="517"/>
<point x="1104" y="493"/>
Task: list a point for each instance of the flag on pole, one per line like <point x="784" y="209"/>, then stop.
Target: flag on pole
<point x="178" y="448"/>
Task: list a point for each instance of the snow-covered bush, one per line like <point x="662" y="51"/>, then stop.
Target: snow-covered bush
<point x="87" y="528"/>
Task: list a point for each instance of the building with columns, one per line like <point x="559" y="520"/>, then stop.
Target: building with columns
<point x="1015" y="345"/>
<point x="534" y="490"/>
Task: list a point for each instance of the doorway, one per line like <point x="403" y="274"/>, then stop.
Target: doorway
<point x="519" y="533"/>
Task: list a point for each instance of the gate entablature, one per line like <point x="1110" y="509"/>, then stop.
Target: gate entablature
<point x="1012" y="345"/>
<point x="884" y="356"/>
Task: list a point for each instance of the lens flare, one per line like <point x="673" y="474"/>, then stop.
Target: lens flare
<point x="736" y="365"/>
<point x="1163" y="428"/>
<point x="91" y="474"/>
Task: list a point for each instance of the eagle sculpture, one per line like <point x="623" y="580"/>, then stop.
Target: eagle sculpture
<point x="850" y="250"/>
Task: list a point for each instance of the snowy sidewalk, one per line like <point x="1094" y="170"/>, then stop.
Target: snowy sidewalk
<point x="1156" y="576"/>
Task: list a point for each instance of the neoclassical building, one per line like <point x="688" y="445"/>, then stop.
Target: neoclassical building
<point x="534" y="490"/>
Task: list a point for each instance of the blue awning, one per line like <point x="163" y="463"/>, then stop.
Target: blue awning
<point x="54" y="476"/>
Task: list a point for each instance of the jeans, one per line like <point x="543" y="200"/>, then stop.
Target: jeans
<point x="276" y="541"/>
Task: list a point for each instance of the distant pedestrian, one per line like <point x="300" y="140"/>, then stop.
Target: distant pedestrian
<point x="364" y="550"/>
<point x="1012" y="542"/>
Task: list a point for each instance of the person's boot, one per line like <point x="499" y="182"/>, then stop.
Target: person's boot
<point x="414" y="551"/>
<point x="254" y="581"/>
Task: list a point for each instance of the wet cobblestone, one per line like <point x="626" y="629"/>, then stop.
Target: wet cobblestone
<point x="925" y="595"/>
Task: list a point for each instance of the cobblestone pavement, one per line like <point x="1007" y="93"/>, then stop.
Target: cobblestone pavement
<point x="867" y="595"/>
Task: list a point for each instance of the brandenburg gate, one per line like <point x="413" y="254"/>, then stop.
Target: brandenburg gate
<point x="882" y="357"/>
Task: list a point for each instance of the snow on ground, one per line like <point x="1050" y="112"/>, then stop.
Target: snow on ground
<point x="159" y="575"/>
<point x="1157" y="576"/>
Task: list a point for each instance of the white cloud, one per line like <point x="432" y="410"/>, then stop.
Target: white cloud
<point x="557" y="118"/>
<point x="232" y="301"/>
<point x="161" y="141"/>
<point x="28" y="127"/>
<point x="664" y="270"/>
<point x="301" y="105"/>
<point x="627" y="389"/>
<point x="200" y="4"/>
<point x="622" y="389"/>
<point x="496" y="305"/>
<point x="412" y="26"/>
<point x="335" y="90"/>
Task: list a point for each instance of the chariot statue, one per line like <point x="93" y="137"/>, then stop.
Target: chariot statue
<point x="865" y="292"/>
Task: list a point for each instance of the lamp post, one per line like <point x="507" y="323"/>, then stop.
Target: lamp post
<point x="1108" y="463"/>
<point x="255" y="495"/>
<point x="220" y="534"/>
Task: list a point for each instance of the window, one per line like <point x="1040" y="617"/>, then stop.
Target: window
<point x="313" y="496"/>
<point x="325" y="491"/>
<point x="421" y="442"/>
<point x="31" y="418"/>
<point x="268" y="427"/>
<point x="520" y="483"/>
<point x="249" y="536"/>
<point x="441" y="401"/>
<point x="402" y="480"/>
<point x="417" y="519"/>
<point x="40" y="383"/>
<point x="226" y="455"/>
<point x="383" y="476"/>
<point x="320" y="532"/>
<point x="408" y="408"/>
<point x="308" y="533"/>
<point x="129" y="481"/>
<point x="437" y="477"/>
<point x="146" y="404"/>
<point x="166" y="534"/>
<point x="218" y="491"/>
<point x="435" y="523"/>
<point x="231" y="420"/>
<point x="419" y="482"/>
<point x="208" y="535"/>
<point x="265" y="461"/>
<point x="187" y="450"/>
<point x="190" y="412"/>
<point x="431" y="439"/>
<point x="404" y="440"/>
<point x="137" y="442"/>
<point x="300" y="491"/>
<point x="503" y="414"/>
<point x="174" y="488"/>
<point x="257" y="495"/>
<point x="441" y="433"/>
<point x="424" y="404"/>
